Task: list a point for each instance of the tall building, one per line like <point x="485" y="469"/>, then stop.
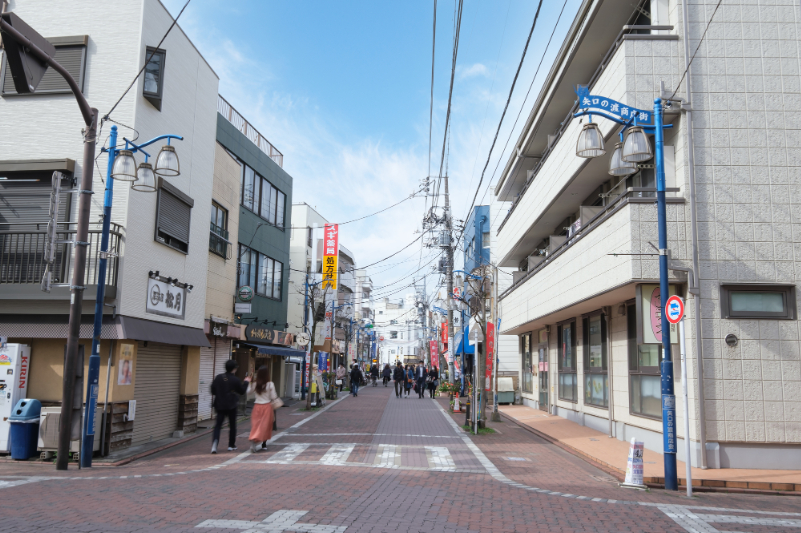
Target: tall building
<point x="155" y="289"/>
<point x="583" y="300"/>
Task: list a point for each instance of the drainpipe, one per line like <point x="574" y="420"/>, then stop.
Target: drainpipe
<point x="609" y="369"/>
<point x="699" y="363"/>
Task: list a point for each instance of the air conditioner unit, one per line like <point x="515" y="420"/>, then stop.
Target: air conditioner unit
<point x="48" y="430"/>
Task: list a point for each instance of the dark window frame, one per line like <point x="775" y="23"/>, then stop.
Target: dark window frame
<point x="60" y="43"/>
<point x="165" y="237"/>
<point x="567" y="370"/>
<point x="595" y="371"/>
<point x="157" y="97"/>
<point x="252" y="276"/>
<point x="259" y="182"/>
<point x="218" y="235"/>
<point x="527" y="384"/>
<point x="787" y="292"/>
<point x="635" y="370"/>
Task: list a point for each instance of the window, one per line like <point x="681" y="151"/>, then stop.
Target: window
<point x="485" y="239"/>
<point x="758" y="301"/>
<point x="218" y="236"/>
<point x="596" y="384"/>
<point x="645" y="383"/>
<point x="70" y="52"/>
<point x="393" y="334"/>
<point x="262" y="273"/>
<point x="528" y="383"/>
<point x="566" y="333"/>
<point x="153" y="88"/>
<point x="173" y="216"/>
<point x="310" y="236"/>
<point x="380" y="312"/>
<point x="262" y="198"/>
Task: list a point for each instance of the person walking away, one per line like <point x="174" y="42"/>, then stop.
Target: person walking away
<point x="420" y="375"/>
<point x="341" y="373"/>
<point x="399" y="375"/>
<point x="263" y="415"/>
<point x="387" y="374"/>
<point x="409" y="379"/>
<point x="374" y="374"/>
<point x="356" y="377"/>
<point x="433" y="380"/>
<point x="226" y="389"/>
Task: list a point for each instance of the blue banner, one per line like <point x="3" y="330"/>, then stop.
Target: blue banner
<point x="669" y="422"/>
<point x="372" y="352"/>
<point x="607" y="106"/>
<point x="322" y="362"/>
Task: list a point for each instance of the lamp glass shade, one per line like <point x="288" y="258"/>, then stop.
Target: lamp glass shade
<point x="124" y="168"/>
<point x="167" y="162"/>
<point x="636" y="147"/>
<point x="618" y="166"/>
<point x="590" y="141"/>
<point x="147" y="180"/>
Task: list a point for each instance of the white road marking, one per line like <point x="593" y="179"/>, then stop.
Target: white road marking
<point x="283" y="520"/>
<point x="337" y="454"/>
<point x="288" y="454"/>
<point x="439" y="458"/>
<point x="387" y="456"/>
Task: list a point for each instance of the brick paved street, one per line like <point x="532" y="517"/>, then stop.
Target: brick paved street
<point x="373" y="463"/>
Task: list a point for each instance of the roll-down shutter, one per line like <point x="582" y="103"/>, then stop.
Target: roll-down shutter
<point x="156" y="391"/>
<point x="210" y="366"/>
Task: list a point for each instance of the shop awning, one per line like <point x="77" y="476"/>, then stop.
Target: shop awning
<point x="147" y="330"/>
<point x="266" y="349"/>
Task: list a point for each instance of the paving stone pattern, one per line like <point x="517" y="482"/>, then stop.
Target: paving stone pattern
<point x="373" y="463"/>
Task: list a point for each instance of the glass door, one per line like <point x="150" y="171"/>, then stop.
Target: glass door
<point x="542" y="350"/>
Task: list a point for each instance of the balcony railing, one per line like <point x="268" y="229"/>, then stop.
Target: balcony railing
<point x="22" y="253"/>
<point x="233" y="116"/>
<point x="635" y="32"/>
<point x="576" y="233"/>
<point x="218" y="241"/>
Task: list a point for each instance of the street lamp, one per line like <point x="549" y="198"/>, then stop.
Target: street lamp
<point x="590" y="141"/>
<point x="637" y="123"/>
<point x="619" y="166"/>
<point x="167" y="161"/>
<point x="121" y="167"/>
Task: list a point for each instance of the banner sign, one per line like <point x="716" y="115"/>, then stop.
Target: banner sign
<point x="634" y="466"/>
<point x="322" y="362"/>
<point x="258" y="333"/>
<point x="649" y="315"/>
<point x="445" y="335"/>
<point x="372" y="351"/>
<point x="608" y="106"/>
<point x="434" y="352"/>
<point x="327" y="325"/>
<point x="490" y="355"/>
<point x="330" y="256"/>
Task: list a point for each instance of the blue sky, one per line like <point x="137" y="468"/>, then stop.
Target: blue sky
<point x="342" y="90"/>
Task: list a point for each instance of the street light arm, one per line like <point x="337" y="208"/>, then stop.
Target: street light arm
<point x="83" y="104"/>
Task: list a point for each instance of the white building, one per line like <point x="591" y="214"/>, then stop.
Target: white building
<point x="398" y="323"/>
<point x="579" y="310"/>
<point x="161" y="237"/>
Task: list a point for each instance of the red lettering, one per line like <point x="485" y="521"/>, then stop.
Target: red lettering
<point x="23" y="371"/>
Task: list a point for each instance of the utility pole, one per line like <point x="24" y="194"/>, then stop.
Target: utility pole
<point x="449" y="275"/>
<point x="496" y="416"/>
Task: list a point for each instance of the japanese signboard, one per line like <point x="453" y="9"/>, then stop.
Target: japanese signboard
<point x="649" y="315"/>
<point x="434" y="353"/>
<point x="634" y="466"/>
<point x="258" y="333"/>
<point x="612" y="107"/>
<point x="164" y="299"/>
<point x="490" y="355"/>
<point x="330" y="256"/>
<point x="445" y="335"/>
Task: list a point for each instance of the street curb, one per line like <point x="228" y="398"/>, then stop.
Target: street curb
<point x="620" y="476"/>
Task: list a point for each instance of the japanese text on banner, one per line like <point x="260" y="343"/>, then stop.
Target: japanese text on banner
<point x="330" y="256"/>
<point x="434" y="353"/>
<point x="490" y="355"/>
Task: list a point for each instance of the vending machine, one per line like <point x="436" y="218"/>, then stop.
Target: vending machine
<point x="15" y="360"/>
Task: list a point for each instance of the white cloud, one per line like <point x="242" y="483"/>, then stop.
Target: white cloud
<point x="472" y="71"/>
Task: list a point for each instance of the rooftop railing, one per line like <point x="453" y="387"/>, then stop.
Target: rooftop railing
<point x="239" y="122"/>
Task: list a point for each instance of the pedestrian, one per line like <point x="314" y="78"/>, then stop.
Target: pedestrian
<point x="433" y="380"/>
<point x="399" y="375"/>
<point x="226" y="389"/>
<point x="341" y="373"/>
<point x="387" y="374"/>
<point x="356" y="378"/>
<point x="409" y="379"/>
<point x="263" y="415"/>
<point x="420" y="375"/>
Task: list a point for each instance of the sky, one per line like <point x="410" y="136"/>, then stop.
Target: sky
<point x="342" y="89"/>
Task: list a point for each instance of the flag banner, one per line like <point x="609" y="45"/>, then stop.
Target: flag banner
<point x="490" y="353"/>
<point x="434" y="353"/>
<point x="330" y="256"/>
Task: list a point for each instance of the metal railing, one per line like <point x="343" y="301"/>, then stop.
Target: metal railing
<point x="22" y="253"/>
<point x="240" y="123"/>
<point x="629" y="195"/>
<point x="569" y="118"/>
<point x="218" y="241"/>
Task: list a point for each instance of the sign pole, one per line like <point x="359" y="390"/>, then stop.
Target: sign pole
<point x="688" y="457"/>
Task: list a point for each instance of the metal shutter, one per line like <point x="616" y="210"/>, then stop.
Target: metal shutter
<point x="70" y="57"/>
<point x="174" y="216"/>
<point x="211" y="366"/>
<point x="156" y="391"/>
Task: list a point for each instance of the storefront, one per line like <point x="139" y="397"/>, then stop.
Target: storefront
<point x="270" y="348"/>
<point x="212" y="362"/>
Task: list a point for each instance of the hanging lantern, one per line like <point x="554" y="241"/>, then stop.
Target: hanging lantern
<point x="147" y="180"/>
<point x="590" y="141"/>
<point x="124" y="168"/>
<point x="167" y="162"/>
<point x="618" y="166"/>
<point x="637" y="148"/>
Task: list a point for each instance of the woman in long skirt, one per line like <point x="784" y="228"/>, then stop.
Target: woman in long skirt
<point x="261" y="420"/>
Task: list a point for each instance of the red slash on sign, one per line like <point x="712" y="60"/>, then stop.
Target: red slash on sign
<point x="674" y="309"/>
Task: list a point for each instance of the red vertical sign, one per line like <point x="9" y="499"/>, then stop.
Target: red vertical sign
<point x="490" y="355"/>
<point x="445" y="335"/>
<point x="434" y="353"/>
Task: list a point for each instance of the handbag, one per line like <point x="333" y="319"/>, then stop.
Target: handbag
<point x="277" y="402"/>
<point x="338" y="382"/>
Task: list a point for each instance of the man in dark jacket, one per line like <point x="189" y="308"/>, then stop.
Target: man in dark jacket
<point x="420" y="375"/>
<point x="226" y="389"/>
<point x="356" y="378"/>
<point x="399" y="376"/>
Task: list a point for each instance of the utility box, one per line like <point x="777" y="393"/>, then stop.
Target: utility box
<point x="48" y="430"/>
<point x="506" y="390"/>
<point x="15" y="360"/>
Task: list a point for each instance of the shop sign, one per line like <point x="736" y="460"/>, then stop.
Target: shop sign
<point x="217" y="329"/>
<point x="322" y="361"/>
<point x="490" y="354"/>
<point x="242" y="308"/>
<point x="649" y="315"/>
<point x="434" y="352"/>
<point x="166" y="300"/>
<point x="445" y="335"/>
<point x="256" y="333"/>
<point x="245" y="293"/>
<point x="330" y="256"/>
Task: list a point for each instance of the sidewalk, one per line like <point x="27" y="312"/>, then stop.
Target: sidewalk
<point x="613" y="453"/>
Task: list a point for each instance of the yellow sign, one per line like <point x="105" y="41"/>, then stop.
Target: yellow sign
<point x="330" y="256"/>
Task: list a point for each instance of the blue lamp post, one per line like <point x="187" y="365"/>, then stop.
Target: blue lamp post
<point x="143" y="179"/>
<point x="636" y="148"/>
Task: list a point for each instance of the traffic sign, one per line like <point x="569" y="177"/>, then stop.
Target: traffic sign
<point x="674" y="309"/>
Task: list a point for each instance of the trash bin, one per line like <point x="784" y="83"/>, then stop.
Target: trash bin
<point x="24" y="434"/>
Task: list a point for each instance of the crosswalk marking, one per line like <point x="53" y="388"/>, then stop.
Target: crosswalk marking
<point x="440" y="457"/>
<point x="337" y="454"/>
<point x="288" y="454"/>
<point x="387" y="456"/>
